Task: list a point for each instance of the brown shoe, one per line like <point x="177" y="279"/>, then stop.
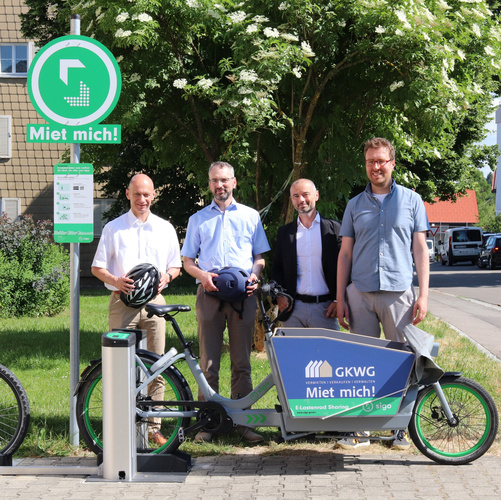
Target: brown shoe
<point x="249" y="435"/>
<point x="203" y="437"/>
<point x="157" y="437"/>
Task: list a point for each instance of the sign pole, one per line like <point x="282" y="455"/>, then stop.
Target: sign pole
<point x="74" y="296"/>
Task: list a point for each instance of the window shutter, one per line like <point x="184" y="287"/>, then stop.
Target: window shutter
<point x="11" y="206"/>
<point x="5" y="136"/>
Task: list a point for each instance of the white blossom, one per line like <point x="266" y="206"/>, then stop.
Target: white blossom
<point x="289" y="37"/>
<point x="395" y="85"/>
<point x="237" y="17"/>
<point x="144" y="18"/>
<point x="380" y="29"/>
<point x="489" y="50"/>
<point x="180" y="83"/>
<point x="477" y="88"/>
<point x="248" y="75"/>
<point x="282" y="6"/>
<point x="246" y="101"/>
<point x="135" y="77"/>
<point x="205" y="83"/>
<point x="271" y="32"/>
<point x="120" y="33"/>
<point x="461" y="54"/>
<point x="426" y="37"/>
<point x="260" y="19"/>
<point x="399" y="32"/>
<point x="306" y="48"/>
<point x="123" y="16"/>
<point x="442" y="5"/>
<point x="252" y="28"/>
<point x="476" y="29"/>
<point x="437" y="153"/>
<point x="297" y="72"/>
<point x="120" y="59"/>
<point x="192" y="3"/>
<point x="342" y="23"/>
<point x="452" y="107"/>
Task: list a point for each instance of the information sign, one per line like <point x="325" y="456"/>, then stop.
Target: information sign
<point x="73" y="203"/>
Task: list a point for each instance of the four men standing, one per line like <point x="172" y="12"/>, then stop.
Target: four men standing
<point x="369" y="274"/>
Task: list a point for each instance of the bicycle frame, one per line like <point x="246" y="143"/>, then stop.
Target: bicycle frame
<point x="240" y="411"/>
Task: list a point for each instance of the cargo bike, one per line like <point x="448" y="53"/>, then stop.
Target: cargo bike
<point x="327" y="382"/>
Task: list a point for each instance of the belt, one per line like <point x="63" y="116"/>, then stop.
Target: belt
<point x="310" y="299"/>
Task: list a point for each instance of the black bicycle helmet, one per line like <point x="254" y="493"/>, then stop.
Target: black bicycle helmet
<point x="231" y="283"/>
<point x="146" y="280"/>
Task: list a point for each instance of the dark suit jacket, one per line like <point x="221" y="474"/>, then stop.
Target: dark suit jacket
<point x="284" y="270"/>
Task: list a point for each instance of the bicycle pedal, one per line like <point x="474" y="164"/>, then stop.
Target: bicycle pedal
<point x="181" y="435"/>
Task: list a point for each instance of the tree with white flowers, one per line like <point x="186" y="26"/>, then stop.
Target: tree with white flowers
<point x="283" y="89"/>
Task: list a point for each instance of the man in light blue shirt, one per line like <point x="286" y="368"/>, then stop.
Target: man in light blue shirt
<point x="383" y="230"/>
<point x="225" y="234"/>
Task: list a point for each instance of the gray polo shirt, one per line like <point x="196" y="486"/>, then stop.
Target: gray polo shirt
<point x="382" y="258"/>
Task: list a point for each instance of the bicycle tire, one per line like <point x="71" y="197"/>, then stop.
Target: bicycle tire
<point x="14" y="412"/>
<point x="89" y="408"/>
<point x="477" y="422"/>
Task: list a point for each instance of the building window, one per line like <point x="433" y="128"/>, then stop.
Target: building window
<point x="101" y="206"/>
<point x="14" y="59"/>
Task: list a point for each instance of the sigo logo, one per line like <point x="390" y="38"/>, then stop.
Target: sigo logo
<point x="318" y="369"/>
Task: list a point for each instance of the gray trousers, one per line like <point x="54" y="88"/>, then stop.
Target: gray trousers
<point x="371" y="310"/>
<point x="213" y="316"/>
<point x="311" y="315"/>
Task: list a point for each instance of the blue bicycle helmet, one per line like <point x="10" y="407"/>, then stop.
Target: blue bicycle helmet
<point x="146" y="280"/>
<point x="231" y="283"/>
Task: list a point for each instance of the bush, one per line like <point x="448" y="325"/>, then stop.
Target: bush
<point x="34" y="270"/>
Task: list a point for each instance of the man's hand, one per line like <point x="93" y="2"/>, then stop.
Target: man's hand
<point x="331" y="310"/>
<point x="419" y="310"/>
<point x="343" y="314"/>
<point x="282" y="303"/>
<point x="124" y="284"/>
<point x="252" y="284"/>
<point x="207" y="283"/>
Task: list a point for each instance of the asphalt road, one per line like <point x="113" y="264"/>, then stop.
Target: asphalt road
<point x="469" y="299"/>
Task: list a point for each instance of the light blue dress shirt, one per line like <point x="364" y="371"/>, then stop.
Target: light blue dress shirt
<point x="383" y="232"/>
<point x="221" y="239"/>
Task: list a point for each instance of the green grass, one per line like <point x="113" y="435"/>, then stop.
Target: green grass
<point x="37" y="351"/>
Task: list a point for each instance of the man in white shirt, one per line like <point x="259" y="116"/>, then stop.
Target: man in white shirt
<point x="305" y="262"/>
<point x="138" y="237"/>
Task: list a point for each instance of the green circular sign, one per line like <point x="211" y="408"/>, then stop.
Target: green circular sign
<point x="74" y="80"/>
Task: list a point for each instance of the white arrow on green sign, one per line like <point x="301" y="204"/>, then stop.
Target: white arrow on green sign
<point x="74" y="83"/>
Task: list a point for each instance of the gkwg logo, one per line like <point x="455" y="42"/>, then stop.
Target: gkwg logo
<point x="318" y="369"/>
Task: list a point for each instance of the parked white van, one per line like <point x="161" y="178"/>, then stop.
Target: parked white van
<point x="461" y="244"/>
<point x="431" y="249"/>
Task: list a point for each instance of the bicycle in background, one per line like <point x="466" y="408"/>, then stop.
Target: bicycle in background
<point x="14" y="412"/>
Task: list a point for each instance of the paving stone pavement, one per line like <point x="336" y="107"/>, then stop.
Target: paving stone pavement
<point x="318" y="476"/>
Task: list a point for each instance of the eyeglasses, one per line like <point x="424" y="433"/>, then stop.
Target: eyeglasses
<point x="381" y="163"/>
<point x="222" y="181"/>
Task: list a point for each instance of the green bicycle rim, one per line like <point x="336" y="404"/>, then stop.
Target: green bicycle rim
<point x="469" y="450"/>
<point x="99" y="442"/>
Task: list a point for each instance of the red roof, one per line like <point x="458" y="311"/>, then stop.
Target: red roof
<point x="463" y="211"/>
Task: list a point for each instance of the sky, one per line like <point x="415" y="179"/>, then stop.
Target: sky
<point x="491" y="138"/>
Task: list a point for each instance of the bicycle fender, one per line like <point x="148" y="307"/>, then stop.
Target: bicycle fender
<point x="94" y="363"/>
<point x="451" y="374"/>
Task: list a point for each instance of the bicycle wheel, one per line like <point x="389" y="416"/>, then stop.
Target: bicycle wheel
<point x="90" y="411"/>
<point x="465" y="441"/>
<point x="14" y="412"/>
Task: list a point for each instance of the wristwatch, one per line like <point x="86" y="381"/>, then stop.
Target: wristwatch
<point x="170" y="277"/>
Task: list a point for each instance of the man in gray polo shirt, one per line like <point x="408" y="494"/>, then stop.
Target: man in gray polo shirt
<point x="383" y="229"/>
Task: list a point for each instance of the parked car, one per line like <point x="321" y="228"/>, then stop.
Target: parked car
<point x="431" y="248"/>
<point x="461" y="244"/>
<point x="490" y="253"/>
